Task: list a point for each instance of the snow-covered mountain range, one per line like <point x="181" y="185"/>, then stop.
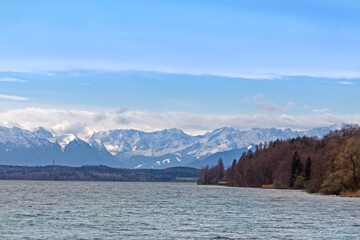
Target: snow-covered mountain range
<point x="136" y="149"/>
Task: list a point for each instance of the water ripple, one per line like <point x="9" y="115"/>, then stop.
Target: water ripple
<point x="113" y="210"/>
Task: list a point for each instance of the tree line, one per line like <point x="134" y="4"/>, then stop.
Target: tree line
<point x="330" y="165"/>
<point x="97" y="173"/>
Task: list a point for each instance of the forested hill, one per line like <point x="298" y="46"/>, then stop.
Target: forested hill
<point x="97" y="173"/>
<point x="330" y="165"/>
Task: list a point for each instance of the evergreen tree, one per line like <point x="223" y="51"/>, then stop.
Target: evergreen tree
<point x="230" y="174"/>
<point x="221" y="170"/>
<point x="249" y="153"/>
<point x="307" y="169"/>
<point x="296" y="168"/>
<point x="233" y="166"/>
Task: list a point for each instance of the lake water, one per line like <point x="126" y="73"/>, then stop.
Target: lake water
<point x="118" y="210"/>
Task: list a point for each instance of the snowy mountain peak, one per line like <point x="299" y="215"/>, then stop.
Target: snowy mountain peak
<point x="19" y="137"/>
<point x="43" y="133"/>
<point x="64" y="140"/>
<point x="134" y="148"/>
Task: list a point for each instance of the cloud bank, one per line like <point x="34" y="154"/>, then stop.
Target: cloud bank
<point x="84" y="123"/>
<point x="48" y="64"/>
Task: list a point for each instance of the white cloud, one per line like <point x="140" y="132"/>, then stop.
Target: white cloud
<point x="44" y="65"/>
<point x="346" y="83"/>
<point x="8" y="79"/>
<point x="323" y="110"/>
<point x="84" y="123"/>
<point x="12" y="97"/>
<point x="262" y="105"/>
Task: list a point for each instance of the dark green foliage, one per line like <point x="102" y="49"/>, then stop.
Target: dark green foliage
<point x="278" y="185"/>
<point x="307" y="169"/>
<point x="221" y="169"/>
<point x="320" y="144"/>
<point x="296" y="168"/>
<point x="299" y="182"/>
<point x="250" y="154"/>
<point x="95" y="173"/>
<point x="233" y="166"/>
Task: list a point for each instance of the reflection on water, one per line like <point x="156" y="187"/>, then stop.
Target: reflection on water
<point x="116" y="210"/>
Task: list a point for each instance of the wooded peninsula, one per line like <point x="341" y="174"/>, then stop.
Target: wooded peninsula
<point x="330" y="165"/>
<point x="98" y="173"/>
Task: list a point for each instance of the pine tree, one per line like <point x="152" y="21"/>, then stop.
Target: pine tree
<point x="233" y="166"/>
<point x="307" y="169"/>
<point x="221" y="170"/>
<point x="296" y="168"/>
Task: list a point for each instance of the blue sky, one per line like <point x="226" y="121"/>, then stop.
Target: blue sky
<point x="227" y="37"/>
<point x="196" y="65"/>
<point x="204" y="94"/>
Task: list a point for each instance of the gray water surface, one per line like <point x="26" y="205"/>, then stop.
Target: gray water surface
<point x="119" y="210"/>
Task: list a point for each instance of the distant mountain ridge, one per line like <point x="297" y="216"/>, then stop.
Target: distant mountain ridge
<point x="137" y="149"/>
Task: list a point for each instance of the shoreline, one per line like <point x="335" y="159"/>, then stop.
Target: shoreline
<point x="268" y="187"/>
